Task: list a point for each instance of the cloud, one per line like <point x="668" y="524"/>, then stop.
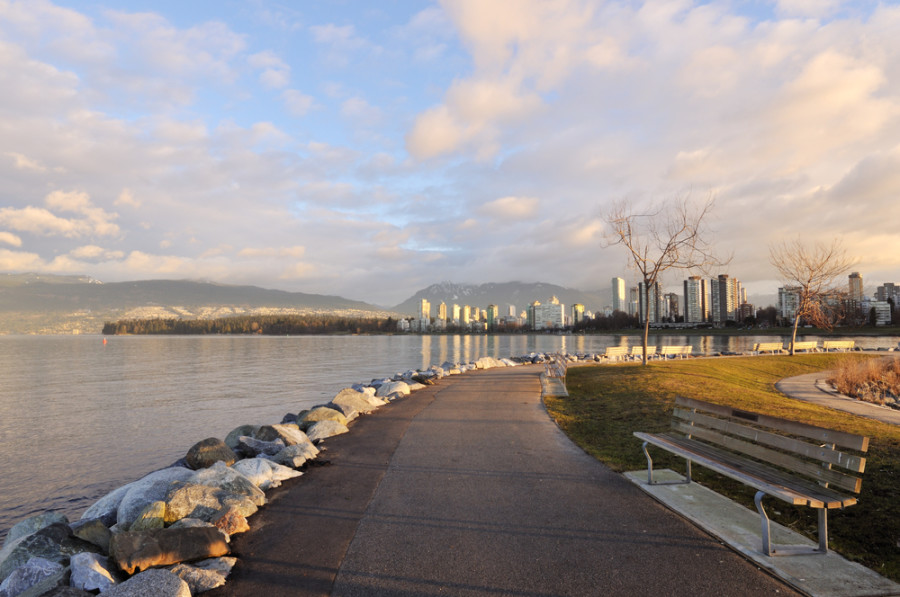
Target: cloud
<point x="126" y="197"/>
<point x="95" y="253"/>
<point x="296" y="252"/>
<point x="10" y="239"/>
<point x="20" y="162"/>
<point x="510" y="208"/>
<point x="276" y="73"/>
<point x="297" y="102"/>
<point x="41" y="221"/>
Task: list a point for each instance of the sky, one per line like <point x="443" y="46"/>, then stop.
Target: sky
<point x="371" y="149"/>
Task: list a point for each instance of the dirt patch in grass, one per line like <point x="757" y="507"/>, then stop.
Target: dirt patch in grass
<point x="607" y="403"/>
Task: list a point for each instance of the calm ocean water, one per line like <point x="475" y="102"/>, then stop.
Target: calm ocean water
<point x="79" y="418"/>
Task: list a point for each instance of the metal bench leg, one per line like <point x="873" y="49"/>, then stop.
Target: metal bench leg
<point x="823" y="530"/>
<point x="764" y="519"/>
<point x="650" y="480"/>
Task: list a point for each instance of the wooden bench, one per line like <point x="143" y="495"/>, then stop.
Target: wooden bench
<point x="675" y="351"/>
<point x="837" y="345"/>
<point x="806" y="346"/>
<point x="557" y="366"/>
<point x="614" y="353"/>
<point x="772" y="455"/>
<point x="772" y="347"/>
<point x="637" y="352"/>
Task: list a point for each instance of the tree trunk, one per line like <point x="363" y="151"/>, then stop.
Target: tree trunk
<point x="646" y="320"/>
<point x="794" y="334"/>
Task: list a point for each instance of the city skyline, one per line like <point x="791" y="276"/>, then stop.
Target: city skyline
<point x="366" y="150"/>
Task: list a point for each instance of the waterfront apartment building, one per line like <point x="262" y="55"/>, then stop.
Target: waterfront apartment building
<point x="696" y="300"/>
<point x="725" y="297"/>
<point x="442" y="311"/>
<point x="549" y="316"/>
<point x="888" y="291"/>
<point x="654" y="299"/>
<point x="618" y="295"/>
<point x="788" y="301"/>
<point x="577" y="313"/>
<point x="855" y="288"/>
<point x="493" y="316"/>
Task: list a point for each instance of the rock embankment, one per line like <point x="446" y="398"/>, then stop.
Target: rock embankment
<point x="167" y="534"/>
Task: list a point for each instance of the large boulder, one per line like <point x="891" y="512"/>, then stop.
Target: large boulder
<point x="163" y="547"/>
<point x="91" y="572"/>
<point x="151" y="583"/>
<point x="325" y="429"/>
<point x="33" y="524"/>
<point x="252" y="447"/>
<point x="151" y="517"/>
<point x="233" y="439"/>
<point x="207" y="452"/>
<point x="92" y="531"/>
<point x="350" y="401"/>
<point x="29" y="574"/>
<point x="106" y="508"/>
<point x="189" y="500"/>
<point x="321" y="413"/>
<point x="204" y="575"/>
<point x="296" y="456"/>
<point x="229" y="479"/>
<point x="54" y="542"/>
<point x="289" y="433"/>
<point x="393" y="387"/>
<point x="230" y="521"/>
<point x="149" y="489"/>
<point x="265" y="474"/>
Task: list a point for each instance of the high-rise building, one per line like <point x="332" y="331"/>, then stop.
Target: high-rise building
<point x="577" y="313"/>
<point x="725" y="298"/>
<point x="634" y="301"/>
<point x="493" y="316"/>
<point x="466" y="314"/>
<point x="549" y="316"/>
<point x="696" y="300"/>
<point x="618" y="294"/>
<point x="788" y="301"/>
<point x="855" y="288"/>
<point x="654" y="299"/>
<point x="670" y="306"/>
<point x="456" y="313"/>
<point x="425" y="310"/>
<point x="889" y="291"/>
<point x="442" y="311"/>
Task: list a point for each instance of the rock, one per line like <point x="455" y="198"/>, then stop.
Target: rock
<point x="290" y="434"/>
<point x="296" y="456"/>
<point x="349" y="400"/>
<point x="162" y="547"/>
<point x="54" y="542"/>
<point x="91" y="572"/>
<point x="151" y="517"/>
<point x="263" y="473"/>
<point x="93" y="531"/>
<point x="190" y="523"/>
<point x="59" y="591"/>
<point x="28" y="575"/>
<point x="33" y="524"/>
<point x="151" y="488"/>
<point x="230" y="521"/>
<point x="207" y="452"/>
<point x="204" y="575"/>
<point x="107" y="507"/>
<point x="232" y="440"/>
<point x="414" y="386"/>
<point x="151" y="583"/>
<point x="322" y="413"/>
<point x="253" y="447"/>
<point x="391" y="387"/>
<point x="227" y="478"/>
<point x="188" y="500"/>
<point x="325" y="429"/>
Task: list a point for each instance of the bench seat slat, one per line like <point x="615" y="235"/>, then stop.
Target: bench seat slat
<point x="824" y="454"/>
<point x="811" y="470"/>
<point x="850" y="441"/>
<point x="756" y="475"/>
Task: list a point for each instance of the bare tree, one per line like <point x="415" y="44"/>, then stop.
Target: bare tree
<point x="671" y="235"/>
<point x="811" y="272"/>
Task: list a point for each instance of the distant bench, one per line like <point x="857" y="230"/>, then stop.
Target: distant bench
<point x="637" y="352"/>
<point x="675" y="351"/>
<point x="797" y="471"/>
<point x="772" y="347"/>
<point x="557" y="367"/>
<point x="615" y="353"/>
<point x="807" y="346"/>
<point x="837" y="345"/>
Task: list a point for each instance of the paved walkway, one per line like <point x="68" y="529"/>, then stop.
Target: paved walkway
<point x="469" y="488"/>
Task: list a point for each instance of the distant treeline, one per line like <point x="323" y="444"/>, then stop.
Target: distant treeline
<point x="272" y="325"/>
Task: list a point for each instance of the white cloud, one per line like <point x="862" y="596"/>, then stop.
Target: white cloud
<point x="21" y="162"/>
<point x="126" y="197"/>
<point x="37" y="220"/>
<point x="295" y="252"/>
<point x="510" y="208"/>
<point x="297" y="102"/>
<point x="276" y="73"/>
<point x="95" y="253"/>
<point x="10" y="239"/>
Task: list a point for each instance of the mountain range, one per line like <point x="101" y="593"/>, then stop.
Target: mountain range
<point x="49" y="304"/>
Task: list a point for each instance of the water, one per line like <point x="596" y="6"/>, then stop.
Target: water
<point x="79" y="418"/>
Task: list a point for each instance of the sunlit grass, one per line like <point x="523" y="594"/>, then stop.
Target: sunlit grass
<point x="607" y="403"/>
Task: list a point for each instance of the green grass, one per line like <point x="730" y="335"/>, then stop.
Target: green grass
<point x="606" y="403"/>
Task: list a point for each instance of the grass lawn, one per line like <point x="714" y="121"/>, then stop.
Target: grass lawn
<point x="606" y="403"/>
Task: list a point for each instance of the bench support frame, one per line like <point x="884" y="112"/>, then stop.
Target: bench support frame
<point x="650" y="481"/>
<point x="790" y="550"/>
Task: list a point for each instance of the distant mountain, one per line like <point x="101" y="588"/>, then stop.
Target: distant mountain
<point x="519" y="294"/>
<point x="32" y="303"/>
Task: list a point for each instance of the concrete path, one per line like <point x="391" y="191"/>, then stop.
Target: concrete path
<point x="469" y="488"/>
<point x="812" y="387"/>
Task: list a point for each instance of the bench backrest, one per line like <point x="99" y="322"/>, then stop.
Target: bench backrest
<point x="826" y="344"/>
<point x="806" y="345"/>
<point x="767" y="346"/>
<point x="616" y="351"/>
<point x="780" y="442"/>
<point x="639" y="350"/>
